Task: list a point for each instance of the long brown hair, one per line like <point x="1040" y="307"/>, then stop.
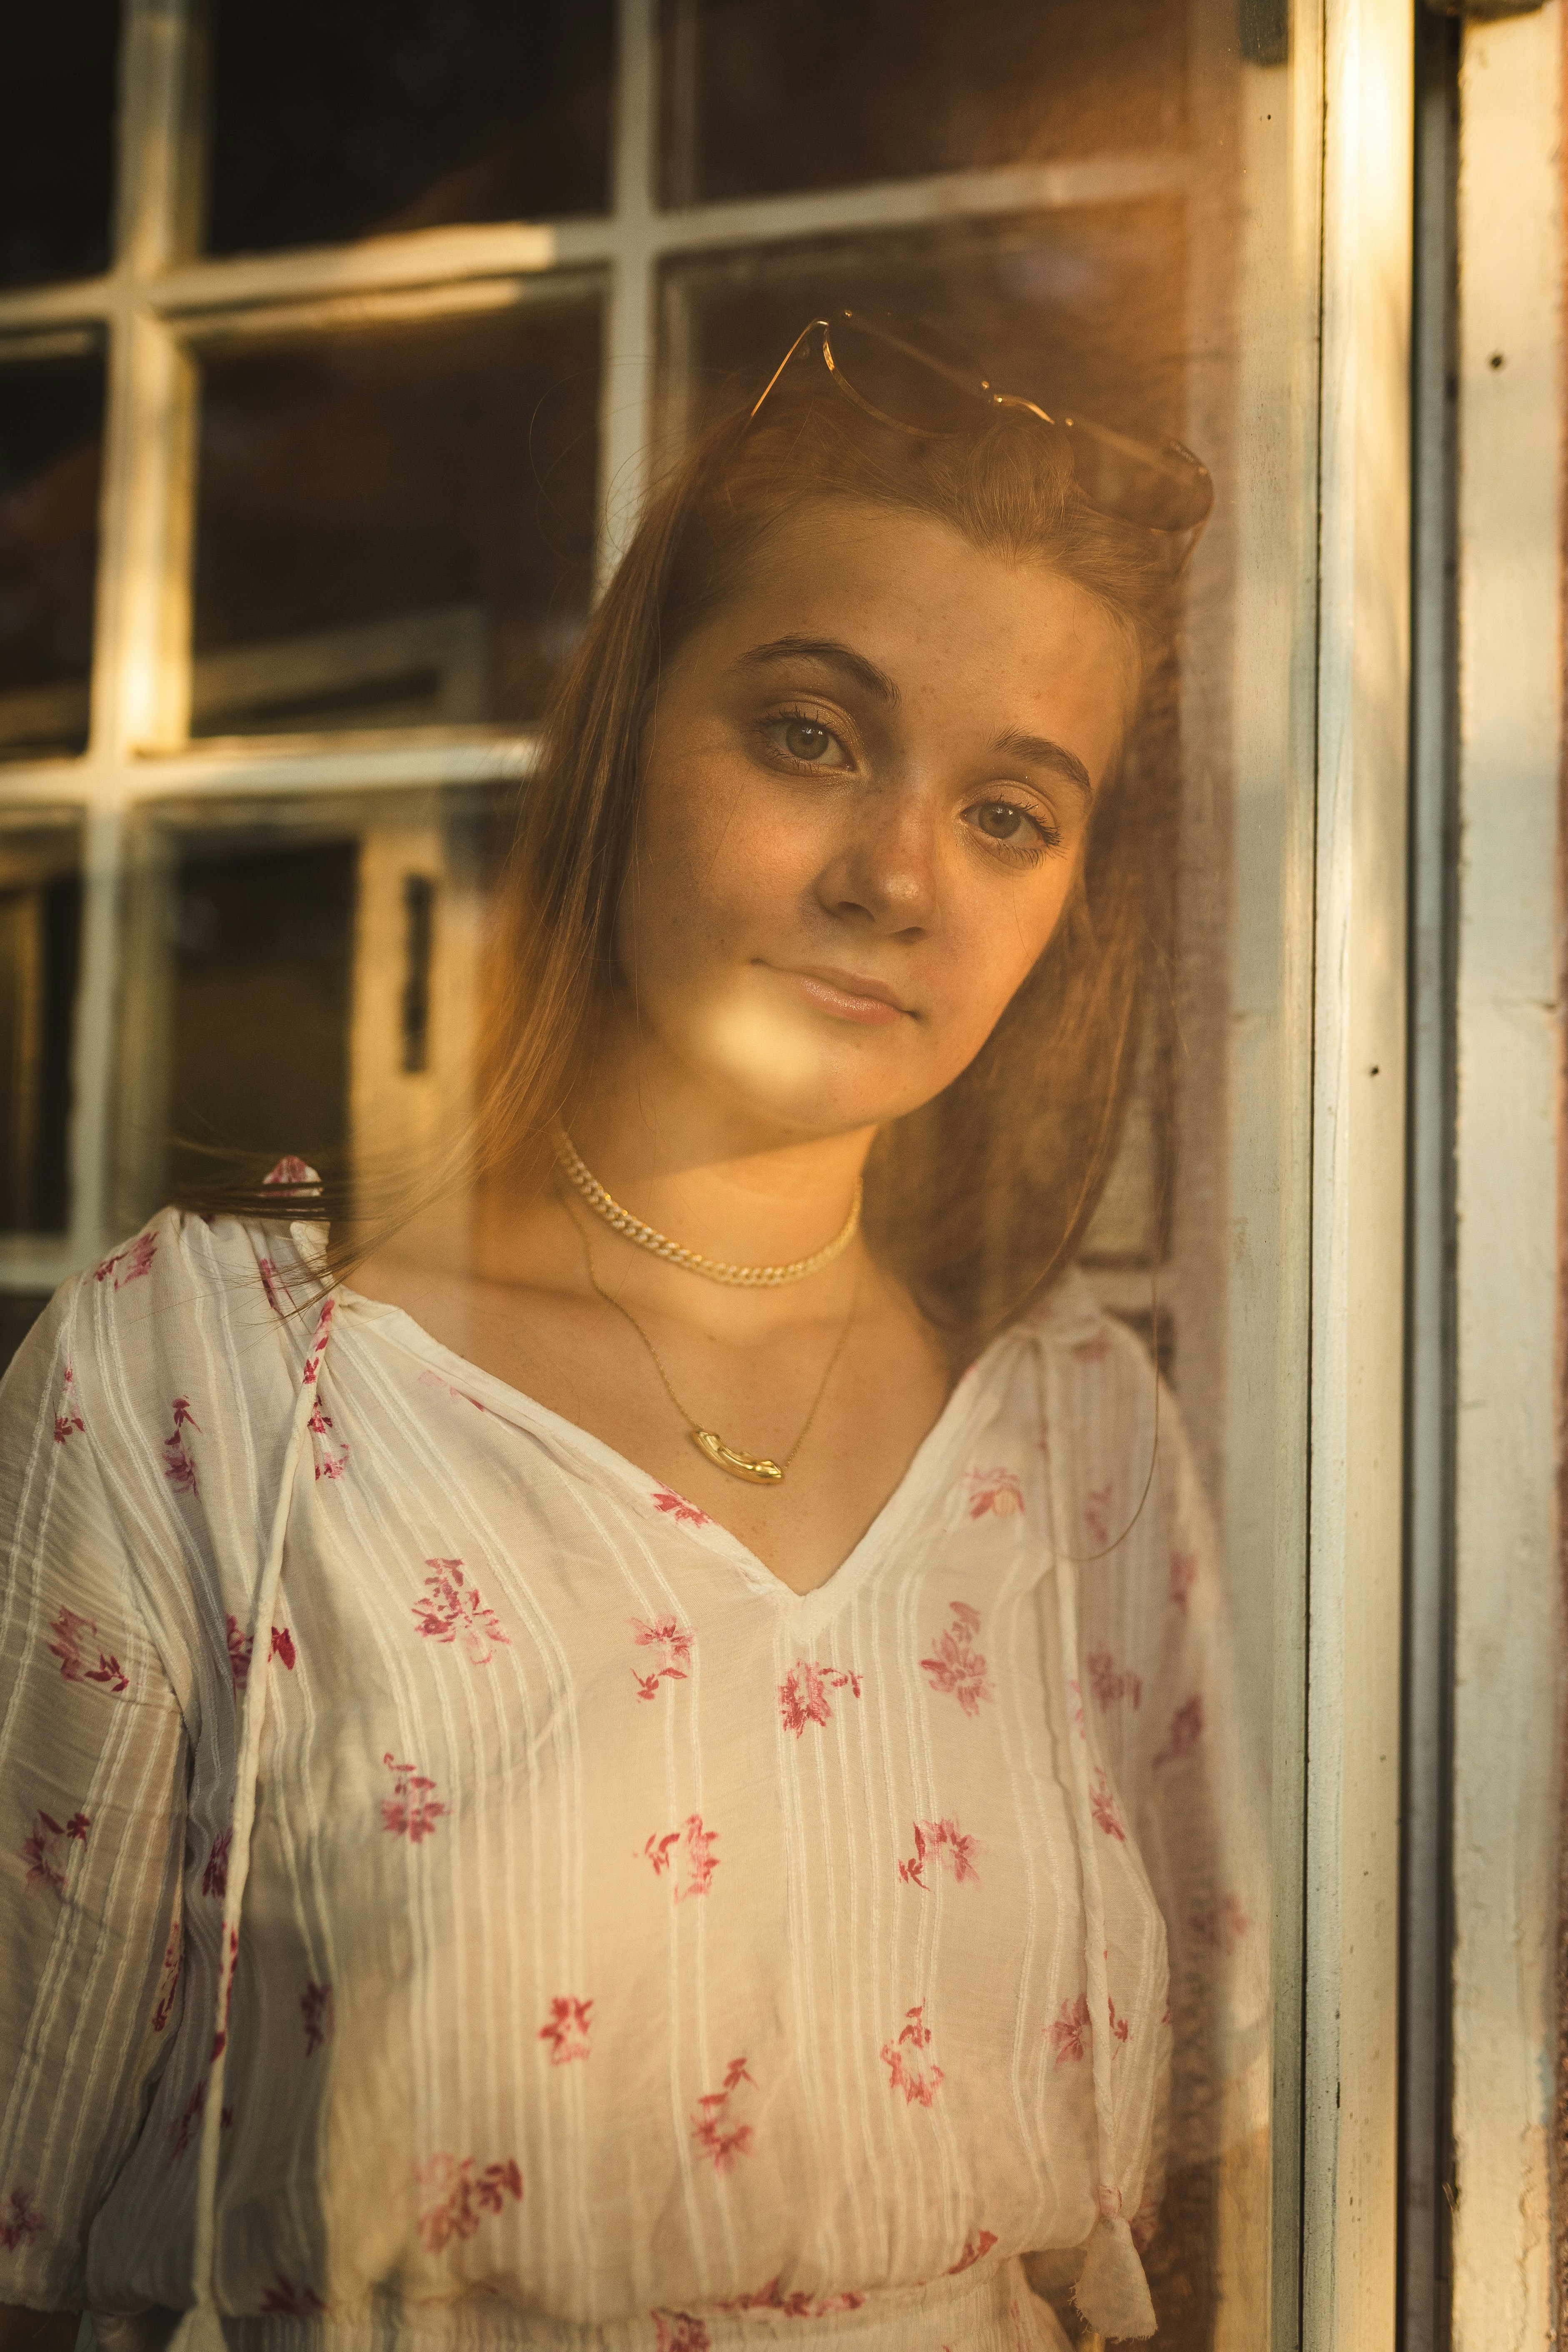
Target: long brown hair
<point x="980" y="1197"/>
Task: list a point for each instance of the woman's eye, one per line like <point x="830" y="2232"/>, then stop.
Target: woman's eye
<point x="807" y="739"/>
<point x="1014" y="828"/>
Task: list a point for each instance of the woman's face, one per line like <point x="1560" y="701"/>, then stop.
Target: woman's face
<point x="868" y="792"/>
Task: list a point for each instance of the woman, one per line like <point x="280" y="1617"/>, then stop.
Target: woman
<point x="595" y="1790"/>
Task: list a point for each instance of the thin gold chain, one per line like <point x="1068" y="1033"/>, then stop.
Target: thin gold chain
<point x="649" y="1237"/>
<point x="659" y="1366"/>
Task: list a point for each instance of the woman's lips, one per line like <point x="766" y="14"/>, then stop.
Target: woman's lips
<point x="845" y="995"/>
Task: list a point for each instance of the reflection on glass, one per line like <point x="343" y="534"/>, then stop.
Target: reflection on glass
<point x="51" y="454"/>
<point x="57" y="139"/>
<point x="1082" y="311"/>
<point x="363" y="119"/>
<point x="40" y="924"/>
<point x="393" y="527"/>
<point x="260" y="948"/>
<point x="304" y="980"/>
<point x="760" y="98"/>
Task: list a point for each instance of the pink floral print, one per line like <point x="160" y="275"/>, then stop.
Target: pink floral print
<point x="451" y="1610"/>
<point x="412" y="1811"/>
<point x="1107" y="1812"/>
<point x="452" y="2199"/>
<point x="1223" y="1925"/>
<point x="239" y="1647"/>
<point x="566" y="2029"/>
<point x="291" y="2301"/>
<point x="688" y="1854"/>
<point x="315" y="2010"/>
<point x="979" y="2242"/>
<point x="1095" y="1351"/>
<point x="1066" y="2035"/>
<point x="1184" y="1576"/>
<point x="271" y="1284"/>
<point x="1109" y="1683"/>
<point x="910" y="2068"/>
<point x="187" y="2123"/>
<point x="70" y="1632"/>
<point x="179" y="1468"/>
<point x="21" y="2221"/>
<point x="798" y="2303"/>
<point x="292" y="1172"/>
<point x="680" y="2331"/>
<point x="1187" y="1730"/>
<point x="169" y="1977"/>
<point x="684" y="1513"/>
<point x="945" y="1845"/>
<point x="715" y="2134"/>
<point x="318" y="1343"/>
<point x="135" y="1260"/>
<point x="1119" y="2027"/>
<point x="44" y="1850"/>
<point x="957" y="1667"/>
<point x="1095" y="1515"/>
<point x="997" y="1492"/>
<point x="802" y="1694"/>
<point x="68" y="1420"/>
<point x="331" y="1455"/>
<point x="672" y="1641"/>
<point x="215" y="1877"/>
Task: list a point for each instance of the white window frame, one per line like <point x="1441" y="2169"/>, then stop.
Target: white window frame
<point x="1508" y="1606"/>
<point x="1338" y="835"/>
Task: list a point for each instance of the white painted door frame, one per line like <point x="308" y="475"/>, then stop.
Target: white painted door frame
<point x="1507" y="1627"/>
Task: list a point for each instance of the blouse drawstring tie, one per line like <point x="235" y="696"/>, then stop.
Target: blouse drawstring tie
<point x="201" y="2329"/>
<point x="1111" y="2292"/>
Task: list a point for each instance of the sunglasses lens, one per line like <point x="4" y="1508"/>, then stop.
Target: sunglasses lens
<point x="1163" y="487"/>
<point x="908" y="375"/>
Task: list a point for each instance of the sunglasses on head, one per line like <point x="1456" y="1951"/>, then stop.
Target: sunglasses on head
<point x="913" y="378"/>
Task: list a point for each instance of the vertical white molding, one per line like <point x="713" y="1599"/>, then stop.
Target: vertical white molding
<point x="1506" y="1626"/>
<point x="626" y="411"/>
<point x="1352" y="1998"/>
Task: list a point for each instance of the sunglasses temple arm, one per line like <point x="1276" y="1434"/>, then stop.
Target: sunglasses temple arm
<point x="811" y="328"/>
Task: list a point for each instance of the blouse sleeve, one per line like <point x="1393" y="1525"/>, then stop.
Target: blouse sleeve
<point x="93" y="1778"/>
<point x="1159" y="1674"/>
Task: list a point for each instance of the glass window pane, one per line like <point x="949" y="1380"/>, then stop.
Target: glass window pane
<point x="396" y="527"/>
<point x="760" y="98"/>
<point x="57" y="139"/>
<point x="365" y="119"/>
<point x="40" y="928"/>
<point x="340" y="939"/>
<point x="52" y="457"/>
<point x="1081" y="310"/>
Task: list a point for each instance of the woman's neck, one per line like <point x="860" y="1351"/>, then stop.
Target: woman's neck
<point x="711" y="1174"/>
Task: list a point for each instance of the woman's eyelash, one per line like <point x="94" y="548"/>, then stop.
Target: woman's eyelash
<point x="795" y="716"/>
<point x="1048" y="837"/>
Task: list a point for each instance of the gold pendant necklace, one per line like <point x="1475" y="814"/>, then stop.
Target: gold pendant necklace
<point x="756" y="1469"/>
<point x="649" y="1237"/>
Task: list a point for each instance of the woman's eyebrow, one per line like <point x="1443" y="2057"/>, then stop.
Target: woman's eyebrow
<point x="1041" y="753"/>
<point x="833" y="655"/>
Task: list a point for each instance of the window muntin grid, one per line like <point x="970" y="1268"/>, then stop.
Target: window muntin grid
<point x="1249" y="315"/>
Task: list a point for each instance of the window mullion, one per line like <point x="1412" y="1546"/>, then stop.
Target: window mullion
<point x="625" y="412"/>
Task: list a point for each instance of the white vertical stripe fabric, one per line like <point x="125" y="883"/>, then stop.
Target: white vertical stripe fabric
<point x="629" y="1949"/>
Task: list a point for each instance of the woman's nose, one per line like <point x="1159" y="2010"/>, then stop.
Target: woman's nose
<point x="886" y="872"/>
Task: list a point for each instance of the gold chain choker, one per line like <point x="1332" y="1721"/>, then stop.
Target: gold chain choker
<point x="647" y="1237"/>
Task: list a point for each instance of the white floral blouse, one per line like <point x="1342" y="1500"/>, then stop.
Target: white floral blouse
<point x="451" y="1890"/>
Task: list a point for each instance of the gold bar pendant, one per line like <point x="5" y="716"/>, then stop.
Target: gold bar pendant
<point x="754" y="1468"/>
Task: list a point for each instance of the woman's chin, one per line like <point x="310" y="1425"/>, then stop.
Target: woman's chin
<point x="797" y="1072"/>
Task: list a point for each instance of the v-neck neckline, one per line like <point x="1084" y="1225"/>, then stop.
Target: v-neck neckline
<point x="972" y="1402"/>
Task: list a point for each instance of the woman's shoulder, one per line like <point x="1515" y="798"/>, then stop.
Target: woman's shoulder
<point x="1071" y="1327"/>
<point x="189" y="1302"/>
